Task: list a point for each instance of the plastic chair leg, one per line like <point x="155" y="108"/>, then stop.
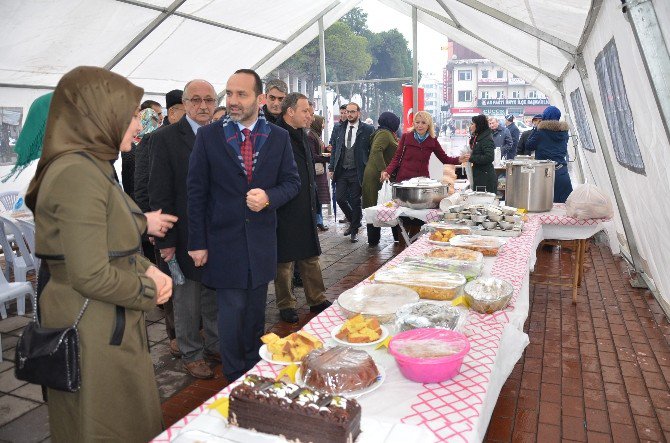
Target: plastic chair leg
<point x="21" y="304"/>
<point x="3" y="310"/>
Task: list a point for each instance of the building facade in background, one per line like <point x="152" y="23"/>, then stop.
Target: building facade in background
<point x="433" y="96"/>
<point x="475" y="85"/>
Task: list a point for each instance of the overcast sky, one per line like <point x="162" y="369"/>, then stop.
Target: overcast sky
<point x="431" y="57"/>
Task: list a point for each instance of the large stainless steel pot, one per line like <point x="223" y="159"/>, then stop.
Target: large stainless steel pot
<point x="419" y="197"/>
<point x="530" y="184"/>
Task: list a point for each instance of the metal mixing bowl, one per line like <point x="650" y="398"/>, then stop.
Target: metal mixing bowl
<point x="419" y="197"/>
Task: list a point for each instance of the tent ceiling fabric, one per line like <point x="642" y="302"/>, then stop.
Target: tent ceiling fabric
<point x="196" y="41"/>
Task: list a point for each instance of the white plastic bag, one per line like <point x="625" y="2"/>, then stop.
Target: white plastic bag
<point x="588" y="201"/>
<point x="385" y="194"/>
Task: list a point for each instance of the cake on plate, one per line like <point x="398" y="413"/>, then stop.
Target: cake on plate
<point x="339" y="370"/>
<point x="297" y="414"/>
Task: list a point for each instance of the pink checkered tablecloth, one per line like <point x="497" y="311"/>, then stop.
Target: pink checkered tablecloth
<point x="457" y="410"/>
<point x="388" y="215"/>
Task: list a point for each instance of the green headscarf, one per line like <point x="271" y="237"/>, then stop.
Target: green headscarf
<point x="29" y="145"/>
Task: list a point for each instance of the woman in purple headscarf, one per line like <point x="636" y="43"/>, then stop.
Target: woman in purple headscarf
<point x="550" y="142"/>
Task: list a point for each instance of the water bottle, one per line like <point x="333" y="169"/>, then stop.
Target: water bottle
<point x="177" y="276"/>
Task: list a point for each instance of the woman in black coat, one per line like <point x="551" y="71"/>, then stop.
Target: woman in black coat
<point x="483" y="152"/>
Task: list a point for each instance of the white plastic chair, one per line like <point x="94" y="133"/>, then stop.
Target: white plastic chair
<point x="23" y="261"/>
<point x="28" y="230"/>
<point x="8" y="198"/>
<point x="18" y="291"/>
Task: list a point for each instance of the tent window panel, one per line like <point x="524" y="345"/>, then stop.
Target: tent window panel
<point x="582" y="123"/>
<point x="617" y="109"/>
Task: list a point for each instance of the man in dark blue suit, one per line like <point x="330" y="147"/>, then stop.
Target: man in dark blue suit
<point x="241" y="170"/>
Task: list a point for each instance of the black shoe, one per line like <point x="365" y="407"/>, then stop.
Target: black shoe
<point x="354" y="233"/>
<point x="344" y="220"/>
<point x="297" y="281"/>
<point x="373" y="244"/>
<point x="348" y="231"/>
<point x="320" y="307"/>
<point x="288" y="315"/>
<point x="322" y="227"/>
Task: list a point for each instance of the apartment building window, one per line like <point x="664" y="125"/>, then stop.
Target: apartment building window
<point x="485" y="94"/>
<point x="485" y="73"/>
<point x="515" y="94"/>
<point x="464" y="96"/>
<point x="465" y="75"/>
<point x="499" y="74"/>
<point x="532" y="93"/>
<point x="500" y="94"/>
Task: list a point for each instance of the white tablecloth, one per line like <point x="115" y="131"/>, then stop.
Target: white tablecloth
<point x="459" y="409"/>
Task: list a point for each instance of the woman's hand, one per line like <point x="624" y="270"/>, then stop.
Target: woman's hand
<point x="385" y="176"/>
<point x="463" y="158"/>
<point x="159" y="223"/>
<point x="163" y="284"/>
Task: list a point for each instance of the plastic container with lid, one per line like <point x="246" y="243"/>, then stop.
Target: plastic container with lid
<point x="488" y="294"/>
<point x="431" y="314"/>
<point x="469" y="269"/>
<point x="379" y="300"/>
<point x="428" y="283"/>
<point x="489" y="246"/>
<point x="429" y="355"/>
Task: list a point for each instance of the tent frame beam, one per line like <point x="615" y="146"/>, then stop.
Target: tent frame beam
<point x="156" y="22"/>
<point x="449" y="13"/>
<point x="201" y="20"/>
<point x="322" y="68"/>
<point x="481" y="40"/>
<point x="370" y="80"/>
<point x="566" y="48"/>
<point x="415" y="62"/>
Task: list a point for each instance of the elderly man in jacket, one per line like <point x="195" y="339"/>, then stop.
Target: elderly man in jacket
<point x="348" y="165"/>
<point x="241" y="171"/>
<point x="514" y="132"/>
<point x="297" y="237"/>
<point x="501" y="138"/>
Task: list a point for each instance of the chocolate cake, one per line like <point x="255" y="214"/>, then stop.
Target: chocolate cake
<point x="297" y="414"/>
<point x="338" y="370"/>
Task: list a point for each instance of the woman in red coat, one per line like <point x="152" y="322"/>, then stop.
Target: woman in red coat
<point x="414" y="150"/>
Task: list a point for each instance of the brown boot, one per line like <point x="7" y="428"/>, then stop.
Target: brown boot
<point x="174" y="348"/>
<point x="199" y="369"/>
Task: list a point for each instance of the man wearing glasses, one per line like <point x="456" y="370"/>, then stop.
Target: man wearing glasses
<point x="275" y="92"/>
<point x="170" y="153"/>
<point x="346" y="169"/>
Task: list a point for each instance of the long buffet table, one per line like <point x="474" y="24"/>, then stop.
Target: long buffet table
<point x="458" y="410"/>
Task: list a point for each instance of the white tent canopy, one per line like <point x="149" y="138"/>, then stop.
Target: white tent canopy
<point x="159" y="45"/>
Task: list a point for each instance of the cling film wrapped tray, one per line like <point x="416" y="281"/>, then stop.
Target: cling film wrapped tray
<point x="430" y="284"/>
<point x="469" y="269"/>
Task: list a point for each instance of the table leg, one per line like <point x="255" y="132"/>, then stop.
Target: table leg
<point x="575" y="272"/>
<point x="403" y="232"/>
<point x="581" y="262"/>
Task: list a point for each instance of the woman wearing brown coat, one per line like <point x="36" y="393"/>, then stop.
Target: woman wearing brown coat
<point x="88" y="232"/>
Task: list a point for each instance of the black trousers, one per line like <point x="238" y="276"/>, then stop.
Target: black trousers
<point x="348" y="196"/>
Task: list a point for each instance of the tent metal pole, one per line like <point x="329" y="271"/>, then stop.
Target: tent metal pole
<point x="609" y="164"/>
<point x="415" y="63"/>
<point x="651" y="44"/>
<point x="370" y="80"/>
<point x="322" y="65"/>
<point x="588" y="27"/>
<point x="144" y="33"/>
<point x="566" y="48"/>
<point x="449" y="13"/>
<point x="568" y="119"/>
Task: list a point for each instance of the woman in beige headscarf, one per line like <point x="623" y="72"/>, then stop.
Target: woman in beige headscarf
<point x="88" y="232"/>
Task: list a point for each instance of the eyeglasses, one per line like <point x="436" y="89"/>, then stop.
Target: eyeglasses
<point x="198" y="100"/>
<point x="352" y="112"/>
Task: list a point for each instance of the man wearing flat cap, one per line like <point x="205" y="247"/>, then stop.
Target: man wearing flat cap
<point x="521" y="147"/>
<point x="514" y="132"/>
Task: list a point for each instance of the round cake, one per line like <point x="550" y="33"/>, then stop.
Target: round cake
<point x="338" y="370"/>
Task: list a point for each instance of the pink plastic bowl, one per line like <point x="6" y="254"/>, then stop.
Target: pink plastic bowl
<point x="430" y="370"/>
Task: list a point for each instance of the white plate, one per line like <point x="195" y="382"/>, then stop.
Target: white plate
<point x="353" y="394"/>
<point x="333" y="333"/>
<point x="436" y="242"/>
<point x="267" y="356"/>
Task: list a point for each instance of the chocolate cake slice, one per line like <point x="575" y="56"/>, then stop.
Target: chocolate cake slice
<point x="297" y="414"/>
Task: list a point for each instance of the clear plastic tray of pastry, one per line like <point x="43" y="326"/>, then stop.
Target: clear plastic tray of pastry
<point x="431" y="314"/>
<point x="455" y="253"/>
<point x="489" y="246"/>
<point x="469" y="269"/>
<point x="378" y="300"/>
<point x="488" y="294"/>
<point x="453" y="226"/>
<point x="428" y="283"/>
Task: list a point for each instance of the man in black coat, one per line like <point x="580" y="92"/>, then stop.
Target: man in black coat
<point x="346" y="169"/>
<point x="514" y="132"/>
<point x="297" y="237"/>
<point x="521" y="147"/>
<point x="275" y="92"/>
<point x="170" y="150"/>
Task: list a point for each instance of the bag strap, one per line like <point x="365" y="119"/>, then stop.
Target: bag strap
<point x="402" y="154"/>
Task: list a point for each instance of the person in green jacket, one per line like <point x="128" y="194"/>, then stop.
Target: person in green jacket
<point x="88" y="231"/>
<point x="383" y="145"/>
<point x="483" y="152"/>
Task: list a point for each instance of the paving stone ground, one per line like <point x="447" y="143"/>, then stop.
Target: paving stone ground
<point x="597" y="371"/>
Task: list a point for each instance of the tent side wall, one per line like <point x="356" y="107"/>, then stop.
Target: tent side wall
<point x="644" y="194"/>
